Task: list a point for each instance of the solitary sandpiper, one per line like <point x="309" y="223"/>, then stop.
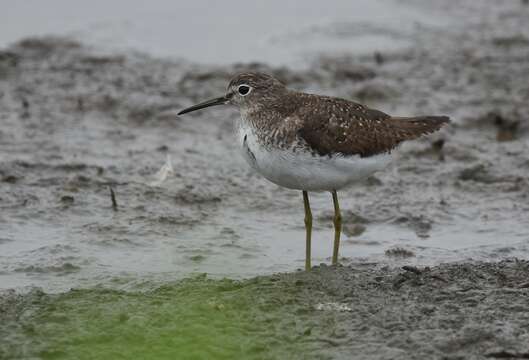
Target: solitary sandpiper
<point x="310" y="142"/>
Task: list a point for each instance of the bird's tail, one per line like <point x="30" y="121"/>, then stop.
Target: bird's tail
<point x="409" y="128"/>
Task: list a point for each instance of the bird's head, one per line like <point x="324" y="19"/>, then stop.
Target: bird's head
<point x="246" y="90"/>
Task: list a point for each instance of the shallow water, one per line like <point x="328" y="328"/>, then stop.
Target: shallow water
<point x="273" y="32"/>
<point x="76" y="121"/>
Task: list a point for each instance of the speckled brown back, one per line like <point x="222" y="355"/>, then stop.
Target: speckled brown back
<point x="337" y="126"/>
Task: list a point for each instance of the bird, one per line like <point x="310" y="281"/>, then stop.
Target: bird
<point x="313" y="143"/>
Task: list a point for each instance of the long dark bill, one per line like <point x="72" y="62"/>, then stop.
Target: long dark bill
<point x="213" y="102"/>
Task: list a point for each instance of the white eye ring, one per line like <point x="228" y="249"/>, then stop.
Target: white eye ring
<point x="244" y="87"/>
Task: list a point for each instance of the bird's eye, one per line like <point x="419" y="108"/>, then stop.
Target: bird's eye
<point x="244" y="90"/>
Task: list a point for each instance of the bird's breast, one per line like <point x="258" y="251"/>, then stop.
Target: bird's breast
<point x="298" y="168"/>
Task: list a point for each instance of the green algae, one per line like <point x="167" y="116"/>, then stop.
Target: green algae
<point x="192" y="319"/>
<point x="467" y="310"/>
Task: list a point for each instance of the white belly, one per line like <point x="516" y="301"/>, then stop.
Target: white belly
<point x="303" y="171"/>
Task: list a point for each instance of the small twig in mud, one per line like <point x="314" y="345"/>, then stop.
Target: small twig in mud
<point x="113" y="198"/>
<point x="524" y="286"/>
<point x="412" y="269"/>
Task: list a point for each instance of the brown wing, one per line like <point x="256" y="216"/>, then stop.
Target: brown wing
<point x="332" y="125"/>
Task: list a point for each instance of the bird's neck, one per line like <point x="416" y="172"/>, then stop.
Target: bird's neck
<point x="268" y="113"/>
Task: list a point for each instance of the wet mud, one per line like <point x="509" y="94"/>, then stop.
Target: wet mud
<point x="77" y="122"/>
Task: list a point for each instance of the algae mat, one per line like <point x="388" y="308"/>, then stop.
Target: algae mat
<point x="363" y="311"/>
<point x="192" y="319"/>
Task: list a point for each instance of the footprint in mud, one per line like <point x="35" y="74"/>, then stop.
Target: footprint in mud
<point x="58" y="269"/>
<point x="198" y="255"/>
<point x="399" y="252"/>
<point x="419" y="224"/>
<point x="355" y="225"/>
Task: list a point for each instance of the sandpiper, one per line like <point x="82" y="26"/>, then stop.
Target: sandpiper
<point x="310" y="142"/>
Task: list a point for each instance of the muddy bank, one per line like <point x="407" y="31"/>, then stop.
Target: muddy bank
<point x="458" y="311"/>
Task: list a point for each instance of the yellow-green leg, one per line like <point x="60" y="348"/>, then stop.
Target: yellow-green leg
<point x="308" y="229"/>
<point x="337" y="227"/>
